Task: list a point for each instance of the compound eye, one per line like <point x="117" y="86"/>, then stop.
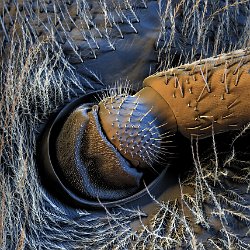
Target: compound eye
<point x="81" y="164"/>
